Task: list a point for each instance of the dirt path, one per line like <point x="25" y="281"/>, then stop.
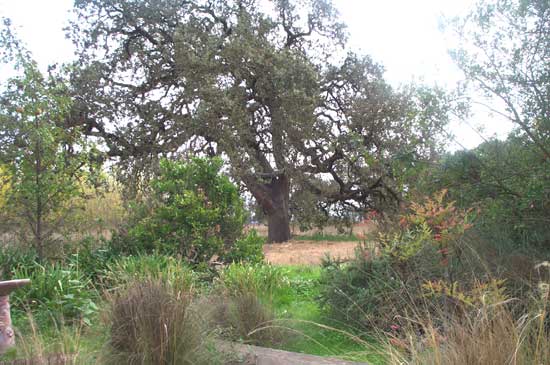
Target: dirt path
<point x="307" y="252"/>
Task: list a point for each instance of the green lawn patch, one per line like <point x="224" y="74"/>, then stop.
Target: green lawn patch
<point x="313" y="332"/>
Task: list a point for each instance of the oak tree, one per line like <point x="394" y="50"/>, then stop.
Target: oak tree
<point x="267" y="85"/>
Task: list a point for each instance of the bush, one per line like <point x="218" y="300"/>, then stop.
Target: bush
<point x="248" y="319"/>
<point x="259" y="279"/>
<point x="243" y="302"/>
<point x="12" y="259"/>
<point x="488" y="334"/>
<point x="197" y="213"/>
<point x="247" y="249"/>
<point x="152" y="323"/>
<point x="92" y="258"/>
<point x="363" y="293"/>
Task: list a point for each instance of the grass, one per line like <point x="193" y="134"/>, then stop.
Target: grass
<point x="314" y="333"/>
<point x="289" y="291"/>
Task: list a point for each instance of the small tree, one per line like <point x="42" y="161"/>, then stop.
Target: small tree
<point x="43" y="157"/>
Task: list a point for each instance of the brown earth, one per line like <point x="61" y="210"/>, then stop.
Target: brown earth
<point x="306" y="252"/>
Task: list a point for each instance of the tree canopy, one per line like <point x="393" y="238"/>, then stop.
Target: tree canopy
<point x="267" y="85"/>
<point x="505" y="52"/>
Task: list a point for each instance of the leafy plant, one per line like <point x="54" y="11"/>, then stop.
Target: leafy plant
<point x="365" y="293"/>
<point x="259" y="279"/>
<point x="61" y="293"/>
<point x="197" y="213"/>
<point x="246" y="249"/>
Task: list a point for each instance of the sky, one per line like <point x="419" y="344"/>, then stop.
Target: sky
<point x="403" y="35"/>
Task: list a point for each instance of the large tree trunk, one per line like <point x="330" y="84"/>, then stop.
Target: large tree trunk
<point x="278" y="218"/>
<point x="273" y="197"/>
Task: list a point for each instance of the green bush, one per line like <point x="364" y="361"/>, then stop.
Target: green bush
<point x="259" y="279"/>
<point x="197" y="213"/>
<point x="363" y="293"/>
<point x="246" y="249"/>
<point x="12" y="258"/>
<point x="243" y="303"/>
<point x="92" y="258"/>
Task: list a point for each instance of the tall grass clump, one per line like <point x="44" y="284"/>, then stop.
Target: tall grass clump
<point x="152" y="322"/>
<point x="486" y="334"/>
<point x="127" y="270"/>
<point x="243" y="298"/>
<point x="58" y="345"/>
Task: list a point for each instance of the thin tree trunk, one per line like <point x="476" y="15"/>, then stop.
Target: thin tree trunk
<point x="39" y="239"/>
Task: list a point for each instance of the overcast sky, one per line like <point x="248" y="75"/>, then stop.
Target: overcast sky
<point x="403" y="35"/>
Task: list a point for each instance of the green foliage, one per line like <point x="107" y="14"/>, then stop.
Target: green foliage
<point x="500" y="52"/>
<point x="259" y="279"/>
<point x="61" y="293"/>
<point x="246" y="249"/>
<point x="44" y="157"/>
<point x="432" y="222"/>
<point x="364" y="293"/>
<point x="197" y="214"/>
<point x="92" y="258"/>
<point x="163" y="269"/>
<point x="508" y="181"/>
<point x="12" y="258"/>
<point x="426" y="245"/>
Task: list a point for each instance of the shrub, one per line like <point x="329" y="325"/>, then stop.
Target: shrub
<point x="243" y="302"/>
<point x="246" y="249"/>
<point x="490" y="334"/>
<point x="12" y="259"/>
<point x="92" y="258"/>
<point x="152" y="323"/>
<point x="197" y="213"/>
<point x="371" y="291"/>
<point x="251" y="320"/>
<point x="363" y="293"/>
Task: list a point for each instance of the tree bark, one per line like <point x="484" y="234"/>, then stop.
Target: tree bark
<point x="278" y="217"/>
<point x="273" y="197"/>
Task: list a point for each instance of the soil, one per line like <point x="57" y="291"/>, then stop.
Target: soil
<point x="307" y="252"/>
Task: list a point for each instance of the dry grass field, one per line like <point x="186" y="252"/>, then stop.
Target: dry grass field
<point x="311" y="252"/>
